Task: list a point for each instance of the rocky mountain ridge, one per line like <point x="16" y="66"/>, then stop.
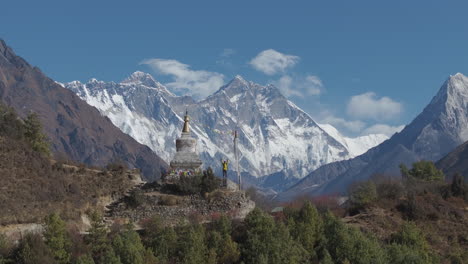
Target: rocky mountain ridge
<point x="76" y="130"/>
<point x="274" y="134"/>
<point x="441" y="127"/>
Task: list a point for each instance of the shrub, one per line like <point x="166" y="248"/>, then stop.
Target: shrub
<point x="459" y="188"/>
<point x="410" y="246"/>
<point x="209" y="181"/>
<point x="389" y="189"/>
<point x="422" y="170"/>
<point x="136" y="198"/>
<point x="362" y="194"/>
<point x="189" y="184"/>
<point x="33" y="250"/>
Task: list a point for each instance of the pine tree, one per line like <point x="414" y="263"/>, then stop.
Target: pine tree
<point x="56" y="238"/>
<point x="128" y="246"/>
<point x="307" y="228"/>
<point x="268" y="242"/>
<point x="98" y="242"/>
<point x="349" y="244"/>
<point x="34" y="135"/>
<point x="162" y="240"/>
<point x="191" y="245"/>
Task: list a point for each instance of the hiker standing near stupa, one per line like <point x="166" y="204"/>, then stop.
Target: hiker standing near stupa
<point x="225" y="165"/>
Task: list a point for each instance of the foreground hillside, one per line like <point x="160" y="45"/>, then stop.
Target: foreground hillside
<point x="420" y="220"/>
<point x="77" y="131"/>
<point x="33" y="186"/>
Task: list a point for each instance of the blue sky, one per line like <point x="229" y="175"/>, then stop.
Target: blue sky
<point x="364" y="66"/>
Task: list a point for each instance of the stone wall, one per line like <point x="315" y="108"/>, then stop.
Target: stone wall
<point x="174" y="209"/>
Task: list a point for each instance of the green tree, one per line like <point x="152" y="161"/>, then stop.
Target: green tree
<point x="98" y="242"/>
<point x="362" y="194"/>
<point x="191" y="245"/>
<point x="349" y="244"/>
<point x="307" y="228"/>
<point x="161" y="240"/>
<point x="33" y="250"/>
<point x="56" y="238"/>
<point x="85" y="259"/>
<point x="458" y="187"/>
<point x="268" y="242"/>
<point x="128" y="246"/>
<point x="109" y="257"/>
<point x="227" y="250"/>
<point x="34" y="135"/>
<point x="410" y="246"/>
<point x="422" y="170"/>
<point x="10" y="124"/>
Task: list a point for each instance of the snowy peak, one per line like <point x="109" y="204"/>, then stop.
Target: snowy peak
<point x="139" y="77"/>
<point x="453" y="90"/>
<point x="357" y="145"/>
<point x="457" y="87"/>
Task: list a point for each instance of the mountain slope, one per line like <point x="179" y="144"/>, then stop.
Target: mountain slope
<point x="441" y="127"/>
<point x="274" y="134"/>
<point x="455" y="162"/>
<point x="75" y="129"/>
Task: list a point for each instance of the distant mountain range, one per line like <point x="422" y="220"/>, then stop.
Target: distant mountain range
<point x="440" y="128"/>
<point x="276" y="138"/>
<point x="77" y="131"/>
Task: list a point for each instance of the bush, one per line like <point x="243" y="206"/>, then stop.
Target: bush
<point x="410" y="246"/>
<point x="209" y="181"/>
<point x="362" y="194"/>
<point x="459" y="188"/>
<point x="33" y="250"/>
<point x="136" y="198"/>
<point x="389" y="189"/>
<point x="198" y="184"/>
<point x="422" y="170"/>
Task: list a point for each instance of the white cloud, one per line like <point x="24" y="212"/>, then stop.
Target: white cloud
<point x="354" y="126"/>
<point x="368" y="106"/>
<point x="271" y="61"/>
<point x="382" y="129"/>
<point x="193" y="82"/>
<point x="294" y="86"/>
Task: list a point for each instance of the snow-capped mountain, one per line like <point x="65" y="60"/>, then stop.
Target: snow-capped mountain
<point x="355" y="146"/>
<point x="440" y="128"/>
<point x="274" y="134"/>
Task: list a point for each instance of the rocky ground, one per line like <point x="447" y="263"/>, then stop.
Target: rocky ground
<point x="156" y="200"/>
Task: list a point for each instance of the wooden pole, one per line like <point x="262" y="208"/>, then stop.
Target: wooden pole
<point x="236" y="154"/>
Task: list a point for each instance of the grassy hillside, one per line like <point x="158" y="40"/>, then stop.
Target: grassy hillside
<point x="33" y="186"/>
